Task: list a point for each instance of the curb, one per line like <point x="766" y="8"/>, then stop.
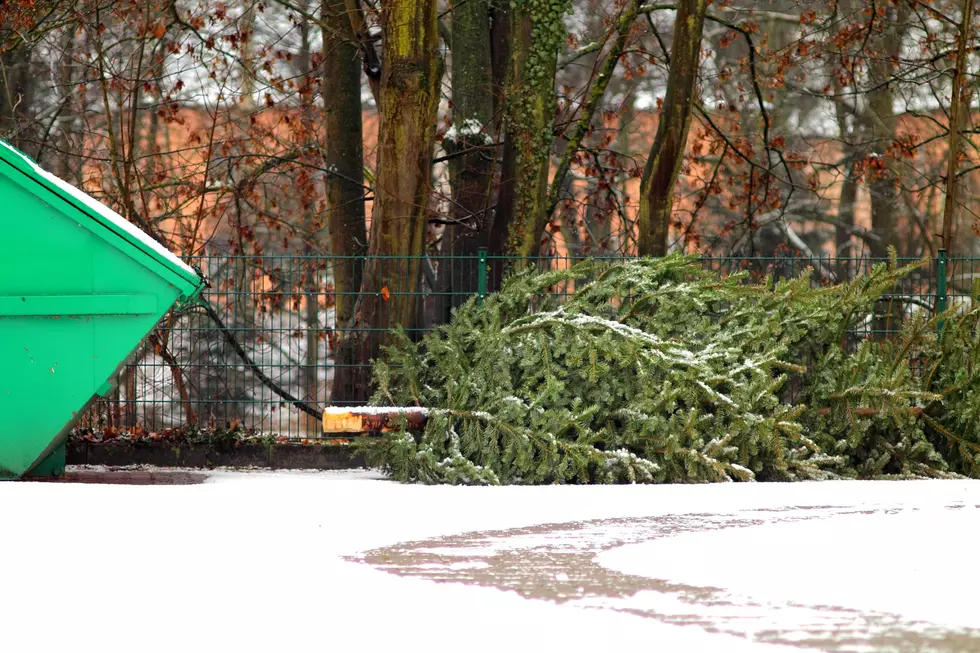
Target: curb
<point x="288" y="455"/>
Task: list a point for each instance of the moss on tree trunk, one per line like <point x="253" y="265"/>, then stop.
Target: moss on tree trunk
<point x="537" y="32"/>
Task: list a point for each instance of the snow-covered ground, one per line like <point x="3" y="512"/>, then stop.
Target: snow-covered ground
<point x="348" y="561"/>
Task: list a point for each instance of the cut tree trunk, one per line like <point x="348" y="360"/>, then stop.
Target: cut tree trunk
<point x="372" y="420"/>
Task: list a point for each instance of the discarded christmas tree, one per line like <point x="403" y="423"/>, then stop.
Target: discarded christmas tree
<point x="659" y="371"/>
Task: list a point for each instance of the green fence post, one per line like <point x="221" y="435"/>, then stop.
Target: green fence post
<point x="941" y="264"/>
<point x="481" y="275"/>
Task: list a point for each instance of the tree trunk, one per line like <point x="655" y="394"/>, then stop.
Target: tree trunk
<point x="528" y="130"/>
<point x="16" y="97"/>
<point x="62" y="158"/>
<point x="500" y="47"/>
<point x="310" y="276"/>
<point x="586" y="122"/>
<point x="344" y="157"/>
<point x="959" y="97"/>
<point x="344" y="160"/>
<point x="846" y="204"/>
<point x="600" y="225"/>
<point x="884" y="178"/>
<point x="242" y="305"/>
<point x="883" y="122"/>
<point x="667" y="152"/>
<point x="410" y="81"/>
<point x="473" y="144"/>
<point x="567" y="220"/>
<point x="843" y="230"/>
<point x="311" y="370"/>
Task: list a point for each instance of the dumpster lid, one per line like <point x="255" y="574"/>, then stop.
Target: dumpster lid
<point x="100" y="212"/>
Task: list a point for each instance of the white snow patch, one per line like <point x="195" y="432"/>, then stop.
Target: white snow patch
<point x="877" y="562"/>
<point x="262" y="555"/>
<point x="470" y="128"/>
<point x="375" y="410"/>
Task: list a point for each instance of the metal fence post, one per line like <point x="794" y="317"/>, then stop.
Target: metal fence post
<point x="481" y="275"/>
<point x="941" y="298"/>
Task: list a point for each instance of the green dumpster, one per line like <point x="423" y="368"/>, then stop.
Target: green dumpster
<point x="79" y="289"/>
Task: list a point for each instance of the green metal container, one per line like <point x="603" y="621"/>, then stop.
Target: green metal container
<point x="79" y="289"/>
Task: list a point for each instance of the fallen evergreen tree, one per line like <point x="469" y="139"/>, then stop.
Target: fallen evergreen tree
<point x="660" y="371"/>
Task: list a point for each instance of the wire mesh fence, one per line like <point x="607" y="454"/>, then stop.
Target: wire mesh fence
<point x="284" y="320"/>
